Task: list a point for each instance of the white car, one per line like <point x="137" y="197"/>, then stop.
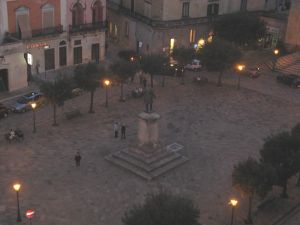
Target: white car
<point x="195" y="65"/>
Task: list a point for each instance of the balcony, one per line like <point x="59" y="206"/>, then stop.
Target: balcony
<point x="36" y="33"/>
<point x="160" y="23"/>
<point x="88" y="27"/>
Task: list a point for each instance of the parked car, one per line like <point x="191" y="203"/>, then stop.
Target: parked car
<point x="195" y="65"/>
<point x="23" y="104"/>
<point x="3" y="111"/>
<point x="252" y="72"/>
<point x="291" y="80"/>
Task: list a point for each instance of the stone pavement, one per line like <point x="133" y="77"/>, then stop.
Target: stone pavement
<point x="219" y="127"/>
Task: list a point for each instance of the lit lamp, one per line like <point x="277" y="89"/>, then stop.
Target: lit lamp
<point x="131" y="58"/>
<point x="106" y="83"/>
<point x="33" y="106"/>
<point x="29" y="214"/>
<point x="240" y="68"/>
<point x="233" y="203"/>
<point x="276" y="54"/>
<point x="17" y="187"/>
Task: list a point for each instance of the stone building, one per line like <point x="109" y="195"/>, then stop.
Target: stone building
<point x="45" y="35"/>
<point x="292" y="38"/>
<point x="159" y="25"/>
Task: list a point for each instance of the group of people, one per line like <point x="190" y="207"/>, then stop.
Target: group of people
<point x="117" y="128"/>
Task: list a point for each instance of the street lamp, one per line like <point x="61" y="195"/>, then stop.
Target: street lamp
<point x="17" y="187"/>
<point x="240" y="68"/>
<point x="106" y="83"/>
<point x="276" y="54"/>
<point x="33" y="106"/>
<point x="29" y="214"/>
<point x="233" y="203"/>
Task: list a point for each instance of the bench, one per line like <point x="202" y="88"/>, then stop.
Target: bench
<point x="72" y="114"/>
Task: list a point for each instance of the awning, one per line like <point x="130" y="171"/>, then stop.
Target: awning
<point x="23" y="22"/>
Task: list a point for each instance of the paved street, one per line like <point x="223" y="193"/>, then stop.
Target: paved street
<point x="219" y="127"/>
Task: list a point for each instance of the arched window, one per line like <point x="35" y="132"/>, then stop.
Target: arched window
<point x="22" y="22"/>
<point x="97" y="11"/>
<point x="48" y="15"/>
<point x="77" y="14"/>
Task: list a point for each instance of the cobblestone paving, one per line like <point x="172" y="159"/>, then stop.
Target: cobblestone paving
<point x="218" y="127"/>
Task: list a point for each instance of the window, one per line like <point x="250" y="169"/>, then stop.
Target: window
<point x="77" y="55"/>
<point x="243" y="5"/>
<point x="49" y="59"/>
<point x="97" y="12"/>
<point x="77" y="14"/>
<point x="126" y="29"/>
<point x="22" y="22"/>
<point x="77" y="42"/>
<point x="212" y="9"/>
<point x="185" y="9"/>
<point x="48" y="16"/>
<point x="147" y="8"/>
<point x="62" y="53"/>
<point x="132" y="6"/>
<point x="192" y="35"/>
<point x="95" y="52"/>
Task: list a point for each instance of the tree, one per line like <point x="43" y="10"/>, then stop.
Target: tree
<point x="242" y="29"/>
<point x="57" y="92"/>
<point x="124" y="70"/>
<point x="163" y="209"/>
<point x="219" y="56"/>
<point x="183" y="56"/>
<point x="153" y="64"/>
<point x="252" y="178"/>
<point x="296" y="134"/>
<point x="281" y="151"/>
<point x="87" y="77"/>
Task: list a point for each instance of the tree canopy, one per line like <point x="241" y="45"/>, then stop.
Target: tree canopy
<point x="184" y="55"/>
<point x="162" y="209"/>
<point x="240" y="28"/>
<point x="282" y="151"/>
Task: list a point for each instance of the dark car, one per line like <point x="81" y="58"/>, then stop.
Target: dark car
<point x="291" y="80"/>
<point x="3" y="111"/>
<point x="253" y="72"/>
<point x="23" y="104"/>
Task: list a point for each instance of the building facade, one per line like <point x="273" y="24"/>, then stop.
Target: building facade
<point x="292" y="38"/>
<point x="46" y="35"/>
<point x="159" y="25"/>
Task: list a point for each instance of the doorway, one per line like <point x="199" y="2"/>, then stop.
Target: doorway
<point x="3" y="80"/>
<point x="49" y="59"/>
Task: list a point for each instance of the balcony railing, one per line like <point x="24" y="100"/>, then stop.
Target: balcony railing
<point x="40" y="32"/>
<point x="87" y="27"/>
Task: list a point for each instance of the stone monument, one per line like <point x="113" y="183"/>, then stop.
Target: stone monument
<point x="147" y="158"/>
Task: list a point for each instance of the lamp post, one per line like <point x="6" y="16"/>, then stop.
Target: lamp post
<point x="233" y="203"/>
<point x="29" y="215"/>
<point x="106" y="83"/>
<point x="240" y="69"/>
<point x="17" y="187"/>
<point x="276" y="54"/>
<point x="33" y="106"/>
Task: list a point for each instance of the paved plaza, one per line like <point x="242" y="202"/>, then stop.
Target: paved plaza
<point x="218" y="127"/>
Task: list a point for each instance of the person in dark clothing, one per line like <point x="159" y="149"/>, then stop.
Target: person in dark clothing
<point x="123" y="131"/>
<point x="145" y="82"/>
<point x="77" y="159"/>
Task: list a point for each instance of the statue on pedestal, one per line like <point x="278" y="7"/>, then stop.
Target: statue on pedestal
<point x="148" y="99"/>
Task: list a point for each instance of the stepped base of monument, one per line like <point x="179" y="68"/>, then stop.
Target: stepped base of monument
<point x="148" y="162"/>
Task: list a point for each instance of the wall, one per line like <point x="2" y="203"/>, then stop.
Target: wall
<point x="35" y="13"/>
<point x="292" y="37"/>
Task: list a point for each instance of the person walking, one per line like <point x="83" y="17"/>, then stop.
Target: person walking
<point x="123" y="131"/>
<point x="116" y="129"/>
<point x="77" y="159"/>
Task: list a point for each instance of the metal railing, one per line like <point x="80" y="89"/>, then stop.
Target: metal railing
<point x="40" y="32"/>
<point x="98" y="26"/>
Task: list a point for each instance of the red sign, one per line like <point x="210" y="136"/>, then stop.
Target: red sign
<point x="30" y="213"/>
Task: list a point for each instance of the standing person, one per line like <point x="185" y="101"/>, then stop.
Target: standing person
<point x="77" y="159"/>
<point x="123" y="131"/>
<point x="116" y="129"/>
<point x="144" y="82"/>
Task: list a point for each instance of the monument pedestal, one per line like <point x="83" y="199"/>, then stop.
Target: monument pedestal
<point x="148" y="159"/>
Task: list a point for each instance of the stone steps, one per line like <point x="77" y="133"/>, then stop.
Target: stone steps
<point x="160" y="164"/>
